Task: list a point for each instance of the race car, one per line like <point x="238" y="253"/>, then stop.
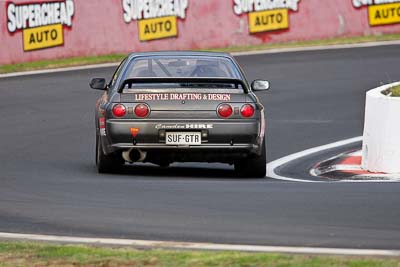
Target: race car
<point x="166" y="107"/>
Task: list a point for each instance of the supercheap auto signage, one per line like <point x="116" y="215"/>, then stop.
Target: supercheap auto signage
<point x="157" y="19"/>
<point x="41" y="23"/>
<point x="266" y="15"/>
<point x="380" y="12"/>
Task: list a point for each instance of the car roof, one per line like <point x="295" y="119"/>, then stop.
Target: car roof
<point x="180" y="53"/>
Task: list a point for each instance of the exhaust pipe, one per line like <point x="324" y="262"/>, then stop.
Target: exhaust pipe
<point x="134" y="155"/>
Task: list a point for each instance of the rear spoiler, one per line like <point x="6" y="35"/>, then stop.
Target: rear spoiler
<point x="129" y="82"/>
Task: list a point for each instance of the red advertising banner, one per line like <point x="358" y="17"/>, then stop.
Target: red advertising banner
<point x="46" y="29"/>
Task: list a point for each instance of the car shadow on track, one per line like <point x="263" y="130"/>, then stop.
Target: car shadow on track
<point x="212" y="172"/>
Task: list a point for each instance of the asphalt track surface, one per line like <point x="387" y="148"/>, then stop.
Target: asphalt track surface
<point x="49" y="184"/>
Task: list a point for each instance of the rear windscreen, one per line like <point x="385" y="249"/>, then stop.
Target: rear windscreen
<point x="182" y="66"/>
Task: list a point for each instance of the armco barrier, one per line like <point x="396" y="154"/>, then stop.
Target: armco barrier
<point x="381" y="141"/>
<point x="44" y="29"/>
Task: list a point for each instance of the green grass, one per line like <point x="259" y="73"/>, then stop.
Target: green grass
<point x="40" y="254"/>
<point x="76" y="61"/>
<point x="395" y="91"/>
<point x="57" y="63"/>
<point x="321" y="42"/>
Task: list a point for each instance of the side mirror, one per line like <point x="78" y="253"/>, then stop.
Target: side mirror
<point x="260" y="85"/>
<point x="98" y="84"/>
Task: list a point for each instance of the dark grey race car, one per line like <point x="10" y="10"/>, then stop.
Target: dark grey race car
<point x="165" y="107"/>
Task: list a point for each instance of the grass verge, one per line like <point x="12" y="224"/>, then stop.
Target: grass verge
<point x="322" y="42"/>
<point x="395" y="91"/>
<point x="77" y="61"/>
<point x="40" y="254"/>
<point x="58" y="63"/>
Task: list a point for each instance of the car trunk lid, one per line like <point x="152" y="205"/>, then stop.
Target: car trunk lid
<point x="183" y="99"/>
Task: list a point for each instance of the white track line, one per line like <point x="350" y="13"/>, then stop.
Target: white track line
<point x="272" y="166"/>
<point x="333" y="168"/>
<point x="317" y="48"/>
<point x="357" y="153"/>
<point x="35" y="72"/>
<point x="198" y="246"/>
<point x="245" y="53"/>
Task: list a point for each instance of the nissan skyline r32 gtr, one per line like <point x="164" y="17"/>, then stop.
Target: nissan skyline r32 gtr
<point x="165" y="107"/>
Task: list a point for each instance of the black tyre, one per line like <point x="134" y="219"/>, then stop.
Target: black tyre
<point x="107" y="163"/>
<point x="253" y="166"/>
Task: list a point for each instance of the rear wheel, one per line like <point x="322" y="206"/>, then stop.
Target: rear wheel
<point x="106" y="163"/>
<point x="253" y="166"/>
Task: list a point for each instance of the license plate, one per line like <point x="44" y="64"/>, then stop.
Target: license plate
<point x="183" y="138"/>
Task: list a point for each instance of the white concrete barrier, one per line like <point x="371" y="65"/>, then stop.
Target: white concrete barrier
<point x="381" y="142"/>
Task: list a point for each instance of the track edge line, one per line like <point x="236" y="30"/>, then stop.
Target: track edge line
<point x="272" y="166"/>
<point x="237" y="54"/>
<point x="198" y="246"/>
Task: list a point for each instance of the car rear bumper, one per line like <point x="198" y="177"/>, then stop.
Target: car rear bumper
<point x="229" y="140"/>
<point x="204" y="153"/>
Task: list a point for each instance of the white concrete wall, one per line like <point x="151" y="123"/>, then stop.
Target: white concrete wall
<point x="381" y="142"/>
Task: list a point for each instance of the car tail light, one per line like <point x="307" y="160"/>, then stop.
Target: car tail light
<point x="119" y="110"/>
<point x="247" y="111"/>
<point x="225" y="110"/>
<point x="142" y="110"/>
